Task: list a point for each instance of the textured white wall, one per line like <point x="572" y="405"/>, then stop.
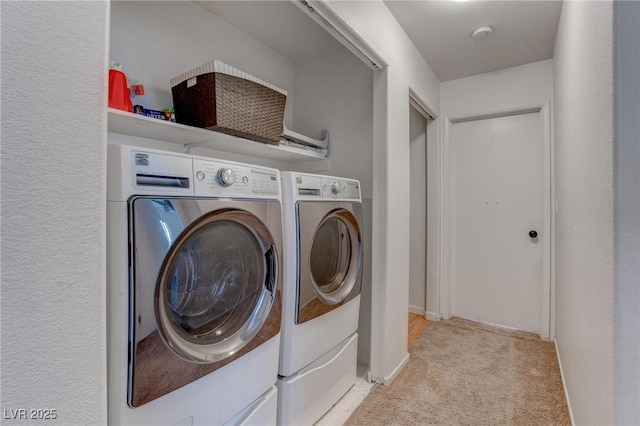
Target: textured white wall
<point x="506" y="90"/>
<point x="418" y="213"/>
<point x="53" y="209"/>
<point x="390" y="221"/>
<point x="584" y="131"/>
<point x="627" y="212"/>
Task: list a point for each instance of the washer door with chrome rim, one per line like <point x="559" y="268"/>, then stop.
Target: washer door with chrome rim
<point x="216" y="283"/>
<point x="215" y="288"/>
<point x="330" y="257"/>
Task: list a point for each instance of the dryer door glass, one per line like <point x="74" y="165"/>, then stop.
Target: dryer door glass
<point x="216" y="286"/>
<point x="335" y="256"/>
<point x="330" y="255"/>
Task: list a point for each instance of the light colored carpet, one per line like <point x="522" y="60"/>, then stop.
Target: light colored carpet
<point x="462" y="372"/>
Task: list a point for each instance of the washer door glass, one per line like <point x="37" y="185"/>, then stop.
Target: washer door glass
<point x="334" y="260"/>
<point x="216" y="286"/>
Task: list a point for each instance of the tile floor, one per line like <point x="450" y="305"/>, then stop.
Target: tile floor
<point x="340" y="412"/>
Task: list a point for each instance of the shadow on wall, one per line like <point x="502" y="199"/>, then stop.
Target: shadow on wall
<point x="364" y="324"/>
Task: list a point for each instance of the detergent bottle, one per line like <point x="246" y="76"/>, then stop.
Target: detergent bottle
<point x="118" y="89"/>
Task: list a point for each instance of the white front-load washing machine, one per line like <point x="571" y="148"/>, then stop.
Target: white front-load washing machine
<point x="322" y="218"/>
<point x="194" y="305"/>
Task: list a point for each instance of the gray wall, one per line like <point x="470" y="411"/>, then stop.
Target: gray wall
<point x="53" y="209"/>
<point x="140" y="31"/>
<point x="627" y="211"/>
<point x="335" y="92"/>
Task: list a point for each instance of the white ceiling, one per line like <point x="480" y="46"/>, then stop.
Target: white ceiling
<point x="279" y="24"/>
<point x="523" y="32"/>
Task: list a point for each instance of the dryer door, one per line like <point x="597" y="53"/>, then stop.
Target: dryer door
<point x="330" y="257"/>
<point x="205" y="281"/>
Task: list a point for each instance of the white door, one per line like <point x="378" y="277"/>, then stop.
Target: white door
<point x="497" y="184"/>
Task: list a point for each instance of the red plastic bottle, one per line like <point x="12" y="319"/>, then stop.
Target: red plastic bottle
<point x="118" y="91"/>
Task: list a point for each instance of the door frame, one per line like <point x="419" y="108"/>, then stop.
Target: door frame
<point x="546" y="322"/>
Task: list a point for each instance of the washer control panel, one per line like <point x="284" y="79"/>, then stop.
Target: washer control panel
<point x="215" y="177"/>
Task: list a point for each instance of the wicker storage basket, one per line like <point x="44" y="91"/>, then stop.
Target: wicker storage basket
<point x="218" y="97"/>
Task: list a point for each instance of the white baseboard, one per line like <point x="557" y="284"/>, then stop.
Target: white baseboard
<point x="432" y="316"/>
<point x="564" y="383"/>
<point x="397" y="370"/>
<point x="416" y="310"/>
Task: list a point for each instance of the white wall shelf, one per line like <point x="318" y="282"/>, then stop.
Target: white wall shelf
<point x="126" y="123"/>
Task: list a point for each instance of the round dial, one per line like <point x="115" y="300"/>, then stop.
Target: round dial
<point x="335" y="187"/>
<point x="226" y="176"/>
<point x="200" y="175"/>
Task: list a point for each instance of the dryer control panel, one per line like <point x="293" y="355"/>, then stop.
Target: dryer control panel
<point x="326" y="187"/>
<point x="225" y="178"/>
<point x="334" y="188"/>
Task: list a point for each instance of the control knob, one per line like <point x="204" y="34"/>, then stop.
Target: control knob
<point x="226" y="176"/>
<point x="335" y="187"/>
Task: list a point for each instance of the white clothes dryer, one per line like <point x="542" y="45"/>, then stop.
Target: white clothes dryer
<point x="322" y="218"/>
<point x="194" y="306"/>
